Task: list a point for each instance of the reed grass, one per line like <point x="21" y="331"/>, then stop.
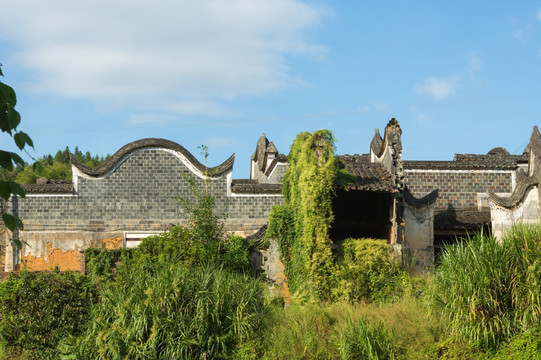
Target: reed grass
<point x="488" y="289"/>
<point x="174" y="312"/>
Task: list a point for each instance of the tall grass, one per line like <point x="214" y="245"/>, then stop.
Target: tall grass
<point x="332" y="330"/>
<point x="364" y="340"/>
<point x="173" y="312"/>
<point x="489" y="289"/>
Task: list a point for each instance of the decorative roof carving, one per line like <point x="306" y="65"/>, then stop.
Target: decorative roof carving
<point x="376" y="143"/>
<point x="498" y="151"/>
<point x="114" y="160"/>
<point x="271" y="148"/>
<point x="535" y="142"/>
<point x="426" y="200"/>
<point x="393" y="135"/>
<point x="523" y="183"/>
<point x="519" y="193"/>
<point x="263" y="148"/>
<point x="260" y="149"/>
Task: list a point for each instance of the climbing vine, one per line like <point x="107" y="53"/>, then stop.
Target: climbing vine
<point x="302" y="224"/>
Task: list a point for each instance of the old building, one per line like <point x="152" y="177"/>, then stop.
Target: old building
<point x="418" y="206"/>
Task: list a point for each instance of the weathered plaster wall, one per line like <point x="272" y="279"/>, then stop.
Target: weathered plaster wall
<point x="419" y="235"/>
<point x="43" y="250"/>
<point x="458" y="188"/>
<point x="269" y="262"/>
<point x="526" y="213"/>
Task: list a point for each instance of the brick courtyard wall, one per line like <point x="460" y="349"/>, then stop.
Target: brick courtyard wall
<point x="462" y="189"/>
<point x="138" y="195"/>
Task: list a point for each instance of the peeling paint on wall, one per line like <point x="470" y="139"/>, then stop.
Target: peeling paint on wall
<point x="47" y="249"/>
<point x="65" y="260"/>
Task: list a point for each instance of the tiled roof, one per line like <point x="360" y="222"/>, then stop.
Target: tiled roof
<point x="249" y="186"/>
<point x="481" y="162"/>
<point x="369" y="176"/>
<point x="364" y="158"/>
<point x="496" y="159"/>
<point x="461" y="219"/>
<point x="49" y="187"/>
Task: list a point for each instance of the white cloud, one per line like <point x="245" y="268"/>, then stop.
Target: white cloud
<point x="151" y="54"/>
<point x="518" y="34"/>
<point x="424" y="120"/>
<point x="376" y="106"/>
<point x="539" y="15"/>
<point x="148" y="119"/>
<point x="217" y="142"/>
<point x="438" y="88"/>
<point x="474" y="65"/>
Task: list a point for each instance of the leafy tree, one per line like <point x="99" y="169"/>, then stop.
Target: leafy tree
<point x="9" y="121"/>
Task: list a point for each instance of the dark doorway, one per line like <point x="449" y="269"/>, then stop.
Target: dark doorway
<point x="361" y="214"/>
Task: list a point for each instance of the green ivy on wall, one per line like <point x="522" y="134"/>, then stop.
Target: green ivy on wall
<point x="302" y="224"/>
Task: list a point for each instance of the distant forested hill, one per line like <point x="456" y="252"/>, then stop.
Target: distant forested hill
<point x="54" y="167"/>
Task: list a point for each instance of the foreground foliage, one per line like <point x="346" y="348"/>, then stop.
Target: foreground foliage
<point x="10" y="120"/>
<point x="38" y="309"/>
<point x="490" y="290"/>
<point x="173" y="312"/>
<point x="366" y="271"/>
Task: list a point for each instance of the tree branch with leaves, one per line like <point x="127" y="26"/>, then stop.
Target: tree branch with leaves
<point x="9" y="121"/>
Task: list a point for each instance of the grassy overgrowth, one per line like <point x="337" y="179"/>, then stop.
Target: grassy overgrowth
<point x="317" y="330"/>
<point x="173" y="312"/>
<point x="181" y="295"/>
<point x="490" y="290"/>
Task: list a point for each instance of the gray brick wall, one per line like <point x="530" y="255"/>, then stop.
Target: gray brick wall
<point x="458" y="188"/>
<point x="139" y="195"/>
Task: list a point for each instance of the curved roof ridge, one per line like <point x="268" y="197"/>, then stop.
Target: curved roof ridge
<point x="426" y="200"/>
<point x="114" y="160"/>
<point x="519" y="193"/>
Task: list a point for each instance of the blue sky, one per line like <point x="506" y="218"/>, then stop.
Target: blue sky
<point x="461" y="76"/>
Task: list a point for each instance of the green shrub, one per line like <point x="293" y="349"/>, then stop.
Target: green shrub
<point x="363" y="340"/>
<point x="102" y="263"/>
<point x="179" y="246"/>
<point x="203" y="242"/>
<point x="38" y="309"/>
<point x="163" y="311"/>
<point x="523" y="346"/>
<point x="366" y="271"/>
